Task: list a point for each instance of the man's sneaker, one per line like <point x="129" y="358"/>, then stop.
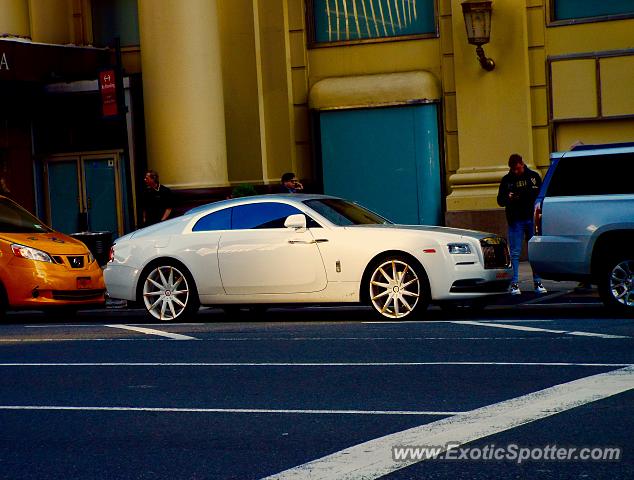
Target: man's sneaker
<point x="539" y="288"/>
<point x="515" y="289"/>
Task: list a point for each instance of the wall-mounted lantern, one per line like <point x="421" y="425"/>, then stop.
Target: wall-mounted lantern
<point x="477" y="20"/>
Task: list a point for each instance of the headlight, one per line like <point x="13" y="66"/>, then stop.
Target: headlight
<point x="459" y="248"/>
<point x="30" y="253"/>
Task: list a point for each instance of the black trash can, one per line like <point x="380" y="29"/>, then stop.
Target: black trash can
<point x="98" y="243"/>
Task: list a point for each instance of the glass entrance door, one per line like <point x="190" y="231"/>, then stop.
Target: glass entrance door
<point x="83" y="193"/>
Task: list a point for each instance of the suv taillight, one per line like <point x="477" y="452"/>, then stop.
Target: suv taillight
<point x="111" y="254"/>
<point x="537" y="218"/>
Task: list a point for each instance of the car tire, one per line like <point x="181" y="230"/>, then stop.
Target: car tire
<point x="397" y="288"/>
<point x="167" y="292"/>
<point x="616" y="284"/>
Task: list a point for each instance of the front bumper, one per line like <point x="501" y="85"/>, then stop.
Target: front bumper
<point x="30" y="284"/>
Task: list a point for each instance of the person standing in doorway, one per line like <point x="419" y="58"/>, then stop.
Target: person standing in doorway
<point x="517" y="193"/>
<point x="157" y="199"/>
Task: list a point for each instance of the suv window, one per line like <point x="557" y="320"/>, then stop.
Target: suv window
<point x="265" y="215"/>
<point x="593" y="175"/>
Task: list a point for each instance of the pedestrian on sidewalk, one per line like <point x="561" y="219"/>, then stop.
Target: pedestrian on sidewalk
<point x="157" y="199"/>
<point x="517" y="193"/>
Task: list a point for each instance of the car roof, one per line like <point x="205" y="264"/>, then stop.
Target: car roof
<point x="589" y="150"/>
<point x="294" y="197"/>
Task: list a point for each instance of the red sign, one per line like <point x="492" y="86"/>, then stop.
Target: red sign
<point x="108" y="89"/>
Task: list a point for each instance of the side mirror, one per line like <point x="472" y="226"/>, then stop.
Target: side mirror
<point x="296" y="221"/>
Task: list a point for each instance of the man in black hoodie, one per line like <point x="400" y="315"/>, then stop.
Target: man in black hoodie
<point x="518" y="190"/>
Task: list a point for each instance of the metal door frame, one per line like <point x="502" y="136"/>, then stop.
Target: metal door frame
<point x="82" y="196"/>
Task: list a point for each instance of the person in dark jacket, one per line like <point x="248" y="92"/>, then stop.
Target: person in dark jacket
<point x="157" y="199"/>
<point x="518" y="190"/>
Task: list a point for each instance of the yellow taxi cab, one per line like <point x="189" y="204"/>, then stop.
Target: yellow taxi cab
<point x="41" y="269"/>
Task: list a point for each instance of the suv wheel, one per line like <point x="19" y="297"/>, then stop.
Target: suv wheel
<point x="616" y="285"/>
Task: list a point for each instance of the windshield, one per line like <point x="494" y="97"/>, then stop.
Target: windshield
<point x="343" y="213"/>
<point x="15" y="219"/>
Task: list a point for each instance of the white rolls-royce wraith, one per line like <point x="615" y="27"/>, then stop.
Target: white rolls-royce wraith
<point x="296" y="248"/>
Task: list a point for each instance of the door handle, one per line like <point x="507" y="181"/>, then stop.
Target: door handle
<point x="307" y="242"/>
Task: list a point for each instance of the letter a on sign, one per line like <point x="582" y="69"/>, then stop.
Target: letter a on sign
<point x="3" y="62"/>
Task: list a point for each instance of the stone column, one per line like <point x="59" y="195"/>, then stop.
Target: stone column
<point x="183" y="92"/>
<point x="15" y="18"/>
<point x="493" y="108"/>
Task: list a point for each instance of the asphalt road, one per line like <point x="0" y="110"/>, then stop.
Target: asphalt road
<point x="111" y="396"/>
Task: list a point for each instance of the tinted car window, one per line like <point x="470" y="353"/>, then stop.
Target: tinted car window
<point x="220" y="220"/>
<point x="342" y="212"/>
<point x="261" y="215"/>
<point x="593" y="175"/>
<point x="14" y="219"/>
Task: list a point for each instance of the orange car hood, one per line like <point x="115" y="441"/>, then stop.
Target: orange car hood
<point x="54" y="243"/>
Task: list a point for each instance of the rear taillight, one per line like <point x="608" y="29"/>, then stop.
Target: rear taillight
<point x="537" y="218"/>
<point x="111" y="254"/>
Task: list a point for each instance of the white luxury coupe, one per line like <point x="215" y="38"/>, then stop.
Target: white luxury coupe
<point x="295" y="248"/>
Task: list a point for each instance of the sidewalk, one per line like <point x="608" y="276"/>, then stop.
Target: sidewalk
<point x="526" y="281"/>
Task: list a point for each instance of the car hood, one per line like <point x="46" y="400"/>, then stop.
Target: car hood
<point x="430" y="228"/>
<point x="54" y="243"/>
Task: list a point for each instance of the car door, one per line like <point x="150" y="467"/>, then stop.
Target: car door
<point x="261" y="256"/>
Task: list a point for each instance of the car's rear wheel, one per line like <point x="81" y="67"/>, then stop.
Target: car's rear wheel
<point x="616" y="284"/>
<point x="168" y="292"/>
<point x="397" y="288"/>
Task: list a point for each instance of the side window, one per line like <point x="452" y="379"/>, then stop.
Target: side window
<point x="577" y="9"/>
<point x="265" y="215"/>
<point x="593" y="175"/>
<point x="220" y="220"/>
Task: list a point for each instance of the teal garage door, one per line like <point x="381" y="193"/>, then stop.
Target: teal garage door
<point x="386" y="159"/>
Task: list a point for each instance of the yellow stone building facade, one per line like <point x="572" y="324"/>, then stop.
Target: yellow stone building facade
<point x="233" y="90"/>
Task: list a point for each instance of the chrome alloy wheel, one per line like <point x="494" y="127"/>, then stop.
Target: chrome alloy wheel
<point x="394" y="289"/>
<point x="166" y="292"/>
<point x="622" y="283"/>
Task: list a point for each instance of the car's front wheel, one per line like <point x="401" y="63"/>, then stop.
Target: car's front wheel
<point x="168" y="292"/>
<point x="397" y="288"/>
<point x="616" y="285"/>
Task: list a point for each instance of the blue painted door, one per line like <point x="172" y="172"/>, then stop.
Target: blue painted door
<point x="82" y="193"/>
<point x="64" y="198"/>
<point x="101" y="194"/>
<point x="386" y="159"/>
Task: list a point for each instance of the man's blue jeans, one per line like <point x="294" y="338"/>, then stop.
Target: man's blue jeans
<point x="518" y="231"/>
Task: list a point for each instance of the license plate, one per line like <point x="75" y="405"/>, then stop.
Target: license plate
<point x="83" y="282"/>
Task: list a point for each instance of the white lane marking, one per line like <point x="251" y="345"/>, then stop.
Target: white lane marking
<point x="151" y="331"/>
<point x="313" y="364"/>
<point x="380" y="322"/>
<point x="373" y="459"/>
<point x="229" y="410"/>
<point x="70" y="325"/>
<point x="537" y="330"/>
<point x="273" y="339"/>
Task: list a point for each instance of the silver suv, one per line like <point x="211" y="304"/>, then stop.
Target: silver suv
<point x="584" y="221"/>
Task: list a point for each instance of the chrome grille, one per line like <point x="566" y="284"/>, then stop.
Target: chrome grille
<point x="495" y="252"/>
<point x="76" y="261"/>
